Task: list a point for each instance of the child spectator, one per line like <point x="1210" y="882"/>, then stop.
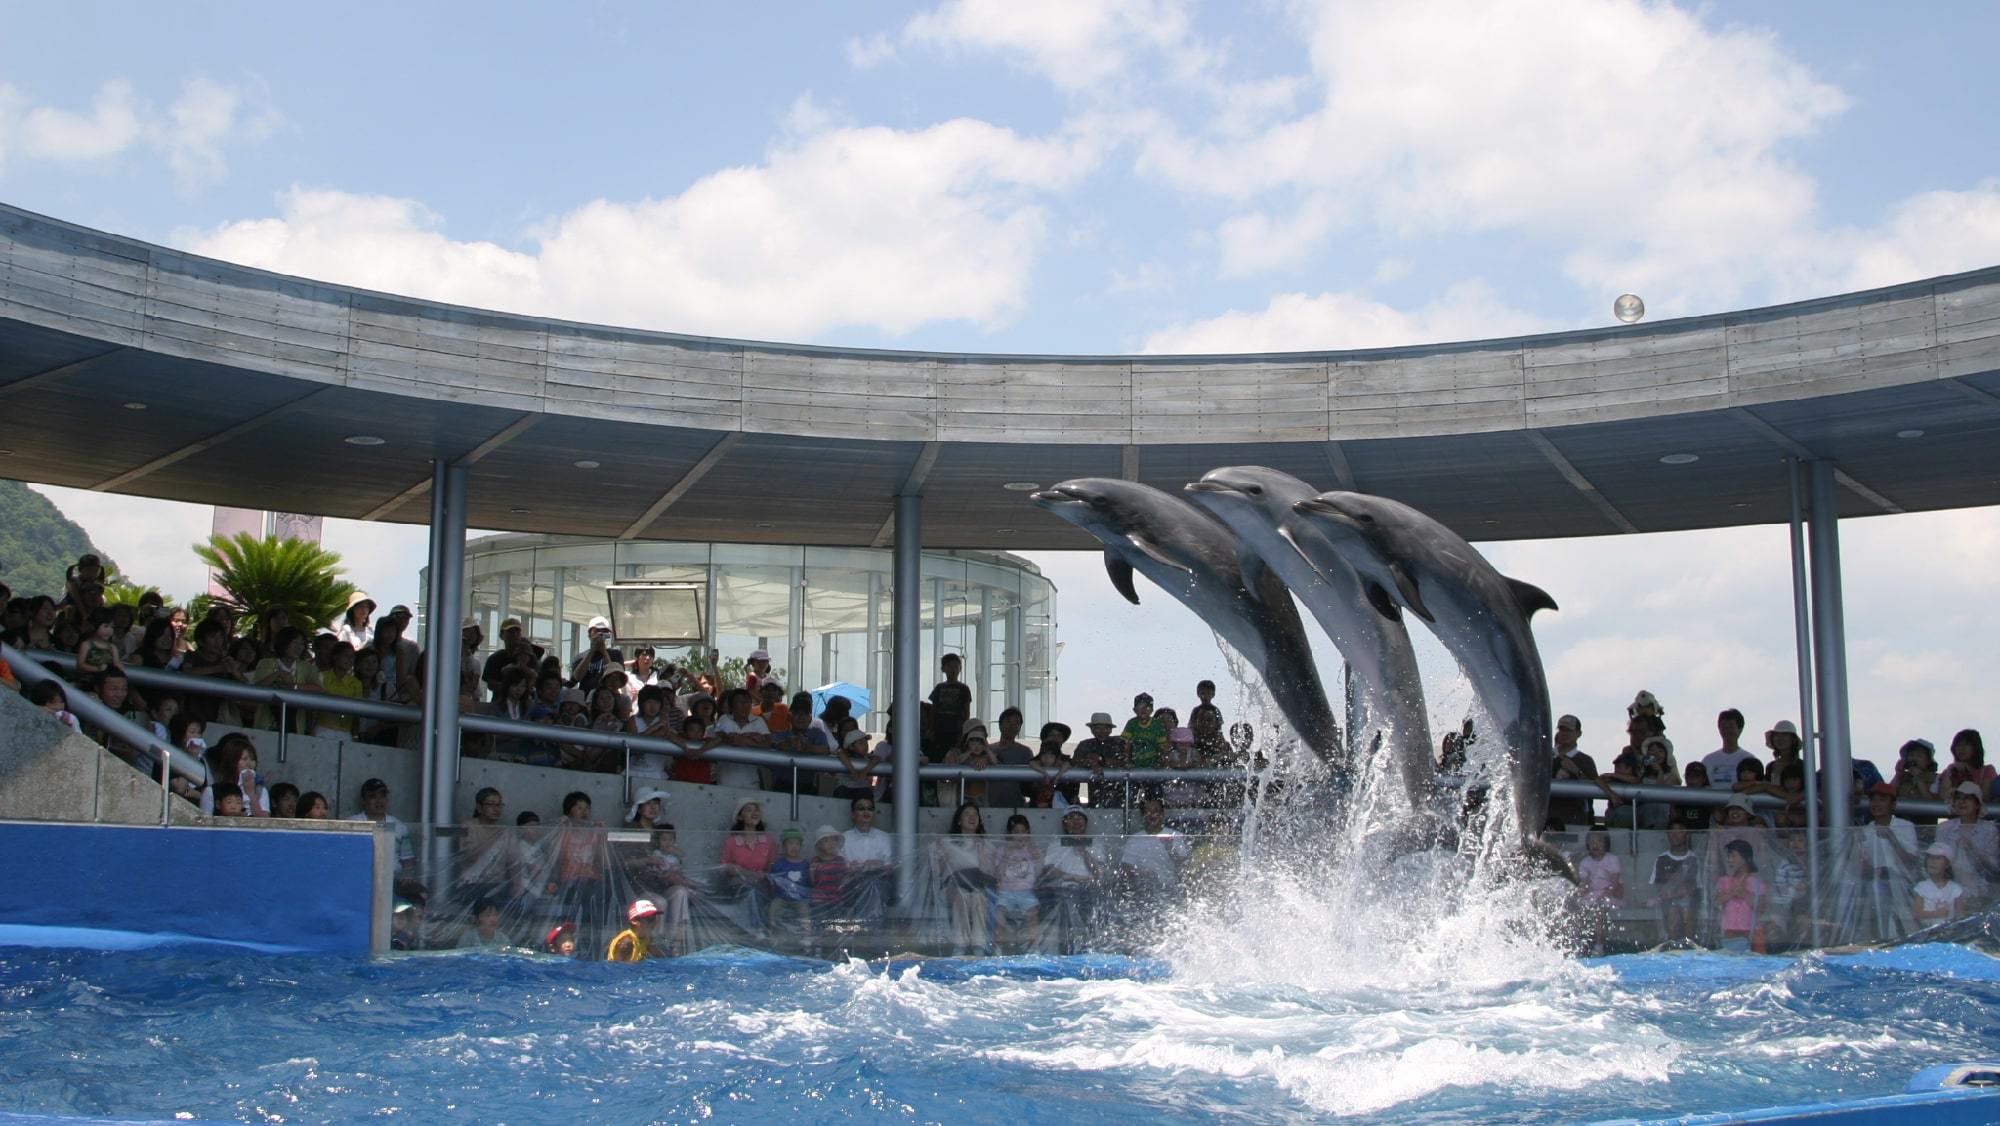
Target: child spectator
<point x="1146" y="733"/>
<point x="1740" y="894"/>
<point x="561" y="940"/>
<point x="339" y="679"/>
<point x="1019" y="864"/>
<point x="791" y="885"/>
<point x="485" y="933"/>
<point x="284" y="800"/>
<point x="1789" y="899"/>
<point x="828" y="872"/>
<point x="1677" y="874"/>
<point x="406" y="930"/>
<point x="225" y="800"/>
<point x="1974" y="844"/>
<point x="99" y="648"/>
<point x="635" y="942"/>
<point x="48" y="696"/>
<point x="1916" y="776"/>
<point x="1939" y="899"/>
<point x="1603" y="876"/>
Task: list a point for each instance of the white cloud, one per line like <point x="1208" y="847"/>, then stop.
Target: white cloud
<point x="1074" y="43"/>
<point x="1296" y="322"/>
<point x="192" y="133"/>
<point x="868" y="52"/>
<point x="851" y="226"/>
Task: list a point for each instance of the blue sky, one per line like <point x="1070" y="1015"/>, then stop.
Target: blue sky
<point x="1111" y="175"/>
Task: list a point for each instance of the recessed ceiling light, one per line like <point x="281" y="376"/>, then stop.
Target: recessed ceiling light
<point x="135" y="406"/>
<point x="1628" y="308"/>
<point x="586" y="464"/>
<point x="6" y="453"/>
<point x="1680" y="459"/>
<point x="363" y="440"/>
<point x="1005" y="531"/>
<point x="1909" y="433"/>
<point x="1489" y="521"/>
<point x="761" y="524"/>
<point x="518" y="511"/>
<point x="1020" y="486"/>
<point x="1741" y="504"/>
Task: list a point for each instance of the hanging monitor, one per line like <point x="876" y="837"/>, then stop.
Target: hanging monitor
<point x="656" y="613"/>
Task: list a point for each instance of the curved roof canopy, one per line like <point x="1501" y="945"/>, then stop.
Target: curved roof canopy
<point x="133" y="368"/>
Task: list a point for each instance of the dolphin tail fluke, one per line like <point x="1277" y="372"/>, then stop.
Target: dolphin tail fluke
<point x="1531" y="597"/>
<point x="1121" y="576"/>
<point x="1541" y="854"/>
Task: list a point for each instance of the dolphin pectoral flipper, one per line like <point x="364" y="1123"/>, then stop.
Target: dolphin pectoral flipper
<point x="1254" y="571"/>
<point x="1531" y="597"/>
<point x="1383" y="603"/>
<point x="1121" y="575"/>
<point x="1406" y="585"/>
<point x="1152" y="551"/>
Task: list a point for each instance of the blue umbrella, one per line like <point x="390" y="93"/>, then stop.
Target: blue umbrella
<point x="856" y="695"/>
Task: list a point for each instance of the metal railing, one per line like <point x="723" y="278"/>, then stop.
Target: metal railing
<point x="285" y="700"/>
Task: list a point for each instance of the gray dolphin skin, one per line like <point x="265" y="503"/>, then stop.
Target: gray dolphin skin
<point x="1478" y="614"/>
<point x="1191" y="556"/>
<point x="1256" y="503"/>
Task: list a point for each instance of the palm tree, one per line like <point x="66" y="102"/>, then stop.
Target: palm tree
<point x="258" y="576"/>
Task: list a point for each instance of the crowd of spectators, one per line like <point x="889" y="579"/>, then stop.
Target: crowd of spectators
<point x="1735" y="866"/>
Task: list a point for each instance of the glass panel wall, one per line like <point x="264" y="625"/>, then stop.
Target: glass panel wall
<point x="828" y="611"/>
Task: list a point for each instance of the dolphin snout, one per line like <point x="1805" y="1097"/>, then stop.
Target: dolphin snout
<point x="1319" y="506"/>
<point x="1207" y="486"/>
<point x="1050" y="496"/>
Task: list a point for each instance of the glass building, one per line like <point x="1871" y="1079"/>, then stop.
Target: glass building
<point x="824" y="613"/>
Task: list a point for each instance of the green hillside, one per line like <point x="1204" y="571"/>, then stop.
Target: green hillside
<point x="37" y="542"/>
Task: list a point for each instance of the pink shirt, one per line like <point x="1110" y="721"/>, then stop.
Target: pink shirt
<point x="754" y="852"/>
<point x="1600" y="875"/>
<point x="1739" y="916"/>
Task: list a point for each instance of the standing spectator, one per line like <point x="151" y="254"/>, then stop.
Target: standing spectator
<point x="1885" y="863"/>
<point x="375" y="807"/>
<point x="353" y="627"/>
<point x="1010" y="751"/>
<point x="1968" y="764"/>
<point x="740" y="729"/>
<point x="1783" y="740"/>
<point x="1146" y="733"/>
<point x="591" y="664"/>
<point x="512" y="645"/>
<point x="1152" y="860"/>
<point x="802" y="736"/>
<point x="1052" y="764"/>
<point x="973" y="752"/>
<point x="1723" y="761"/>
<point x="286" y="667"/>
<point x="771" y="706"/>
<point x="1102" y="751"/>
<point x="1677" y="875"/>
<point x="99" y="648"/>
<point x="1974" y="844"/>
<point x="1938" y="898"/>
<point x="1603" y="876"/>
<point x="1571" y="765"/>
<point x="1698" y="817"/>
<point x="1204" y="693"/>
<point x="1740" y="894"/>
<point x="951" y="706"/>
<point x="757" y="669"/>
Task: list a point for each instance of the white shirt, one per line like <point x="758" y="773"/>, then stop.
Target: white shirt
<point x="1069" y="859"/>
<point x="406" y="853"/>
<point x="738" y="774"/>
<point x="1882" y="851"/>
<point x="1157" y="856"/>
<point x="357" y="638"/>
<point x="862" y="848"/>
<point x="1937" y="898"/>
<point x="1722" y="766"/>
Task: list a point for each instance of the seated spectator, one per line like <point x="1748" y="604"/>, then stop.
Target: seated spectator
<point x="1052" y="766"/>
<point x="235" y="760"/>
<point x="375" y="807"/>
<point x="635" y="942"/>
<point x="1698" y="817"/>
<point x="1102" y="751"/>
<point x="225" y="799"/>
<point x="828" y="873"/>
<point x="802" y="736"/>
<point x="157" y="648"/>
<point x="49" y="696"/>
<point x="337" y="679"/>
<point x="1968" y="764"/>
<point x="647" y="809"/>
<point x="870" y="856"/>
<point x="1077" y="867"/>
<point x="1677" y="875"/>
<point x="1974" y="845"/>
<point x="1885" y="865"/>
<point x="959" y="861"/>
<point x="791" y="885"/>
<point x="313" y="806"/>
<point x="747" y="854"/>
<point x="1152" y="860"/>
<point x="1740" y="896"/>
<point x="284" y="800"/>
<point x="1017" y="865"/>
<point x="663" y="873"/>
<point x="485" y="932"/>
<point x="1603" y="888"/>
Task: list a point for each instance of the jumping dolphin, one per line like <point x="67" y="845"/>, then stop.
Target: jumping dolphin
<point x="1256" y="503"/>
<point x="1480" y="615"/>
<point x="1194" y="558"/>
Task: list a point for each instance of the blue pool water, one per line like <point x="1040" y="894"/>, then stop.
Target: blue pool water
<point x="737" y="1036"/>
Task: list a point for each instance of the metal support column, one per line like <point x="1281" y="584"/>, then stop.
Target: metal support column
<point x="444" y="604"/>
<point x="1830" y="653"/>
<point x="1802" y="640"/>
<point x="907" y="621"/>
<point x="982" y="656"/>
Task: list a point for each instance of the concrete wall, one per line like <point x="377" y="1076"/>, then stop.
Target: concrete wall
<point x="50" y="773"/>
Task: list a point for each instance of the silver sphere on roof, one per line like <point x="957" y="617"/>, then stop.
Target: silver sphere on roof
<point x="1628" y="308"/>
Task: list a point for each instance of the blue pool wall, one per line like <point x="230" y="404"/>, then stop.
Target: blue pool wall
<point x="311" y="891"/>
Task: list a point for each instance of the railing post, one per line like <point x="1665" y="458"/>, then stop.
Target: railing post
<point x="284" y="724"/>
<point x="907" y="753"/>
<point x="445" y="589"/>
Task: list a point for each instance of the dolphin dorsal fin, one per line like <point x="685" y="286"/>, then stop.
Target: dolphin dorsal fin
<point x="1381" y="600"/>
<point x="1121" y="575"/>
<point x="1152" y="551"/>
<point x="1530" y="597"/>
